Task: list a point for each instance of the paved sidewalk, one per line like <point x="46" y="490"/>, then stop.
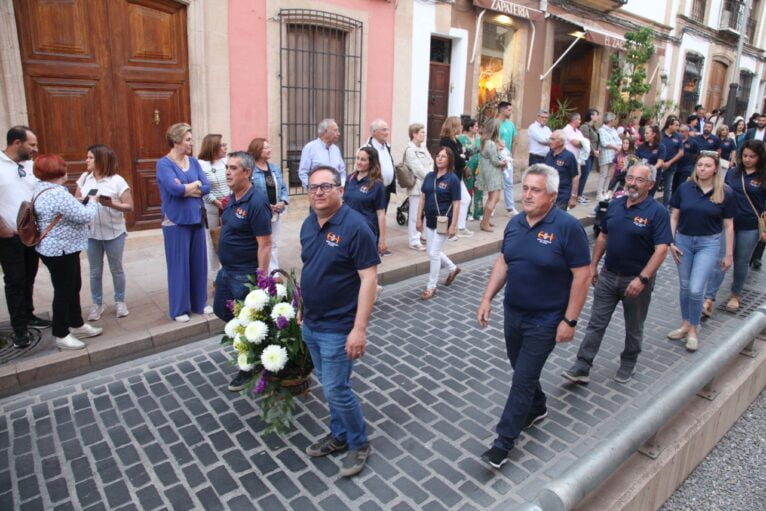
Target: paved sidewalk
<point x="162" y="432"/>
<point x="148" y="327"/>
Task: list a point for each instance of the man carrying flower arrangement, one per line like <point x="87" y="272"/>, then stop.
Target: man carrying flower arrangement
<point x="338" y="283"/>
<point x="245" y="231"/>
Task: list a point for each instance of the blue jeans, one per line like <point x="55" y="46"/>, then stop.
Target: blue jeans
<point x="333" y="369"/>
<point x="584" y="173"/>
<point x="701" y="255"/>
<point x="744" y="244"/>
<point x="229" y="285"/>
<point x="528" y="346"/>
<point x="667" y="181"/>
<point x="113" y="249"/>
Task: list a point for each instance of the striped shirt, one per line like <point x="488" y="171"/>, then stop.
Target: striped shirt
<point x="216" y="175"/>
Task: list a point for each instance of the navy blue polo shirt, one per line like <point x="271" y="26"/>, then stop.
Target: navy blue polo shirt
<point x="332" y="255"/>
<point x="447" y="189"/>
<point x="744" y="216"/>
<point x="728" y="149"/>
<point x="366" y="197"/>
<point x="566" y="164"/>
<point x="689" y="159"/>
<point x="242" y="220"/>
<point x="672" y="143"/>
<point x="711" y="143"/>
<point x="632" y="233"/>
<point x="700" y="216"/>
<point x="540" y="261"/>
<point x="651" y="154"/>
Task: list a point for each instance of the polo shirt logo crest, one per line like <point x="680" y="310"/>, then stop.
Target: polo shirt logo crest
<point x="363" y="189"/>
<point x="755" y="183"/>
<point x="545" y="238"/>
<point x="332" y="239"/>
<point x="443" y="185"/>
<point x="240" y="212"/>
<point x="640" y="222"/>
<point x="560" y="163"/>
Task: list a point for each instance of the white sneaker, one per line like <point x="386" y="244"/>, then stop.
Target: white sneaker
<point x="512" y="211"/>
<point x="419" y="247"/>
<point x="70" y="342"/>
<point x="464" y="233"/>
<point x="207" y="310"/>
<point x="453" y="238"/>
<point x="95" y="312"/>
<point x="122" y="309"/>
<point x="183" y="318"/>
<point x="378" y="292"/>
<point x="85" y="331"/>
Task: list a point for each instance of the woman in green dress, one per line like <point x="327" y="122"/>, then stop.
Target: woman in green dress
<point x="471" y="142"/>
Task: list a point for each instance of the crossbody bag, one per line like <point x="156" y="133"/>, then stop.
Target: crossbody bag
<point x="760" y="216"/>
<point x="442" y="221"/>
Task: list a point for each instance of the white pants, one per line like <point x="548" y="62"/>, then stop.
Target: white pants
<point x="465" y="203"/>
<point x="508" y="186"/>
<point x="213" y="220"/>
<point x="437" y="258"/>
<point x="604" y="176"/>
<point x="412" y="232"/>
<point x="276" y="226"/>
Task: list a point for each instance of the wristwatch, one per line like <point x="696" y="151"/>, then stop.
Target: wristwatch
<point x="570" y="322"/>
<point x="644" y="280"/>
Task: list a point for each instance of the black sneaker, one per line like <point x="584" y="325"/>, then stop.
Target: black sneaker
<point x="576" y="375"/>
<point x="495" y="457"/>
<point x="38" y="322"/>
<point x="624" y="374"/>
<point x="21" y="340"/>
<point x="326" y="445"/>
<point x="534" y="418"/>
<point x="354" y="461"/>
<point x="239" y="381"/>
<point x="756" y="265"/>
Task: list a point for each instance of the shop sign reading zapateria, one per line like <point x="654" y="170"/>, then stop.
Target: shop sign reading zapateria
<point x="510" y="8"/>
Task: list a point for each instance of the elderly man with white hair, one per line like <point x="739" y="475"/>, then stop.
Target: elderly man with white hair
<point x="379" y="141"/>
<point x="322" y="151"/>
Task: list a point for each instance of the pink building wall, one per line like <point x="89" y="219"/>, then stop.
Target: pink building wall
<point x="247" y="53"/>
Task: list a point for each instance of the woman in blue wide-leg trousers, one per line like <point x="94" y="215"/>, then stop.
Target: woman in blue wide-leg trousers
<point x="186" y="256"/>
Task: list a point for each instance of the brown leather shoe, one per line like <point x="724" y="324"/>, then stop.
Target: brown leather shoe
<point x="451" y="277"/>
<point x="707" y="308"/>
<point x="428" y="294"/>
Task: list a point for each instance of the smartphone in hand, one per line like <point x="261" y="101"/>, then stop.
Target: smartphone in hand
<point x="91" y="193"/>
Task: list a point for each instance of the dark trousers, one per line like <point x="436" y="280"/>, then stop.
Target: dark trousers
<point x="584" y="173"/>
<point x="229" y="285"/>
<point x="20" y="265"/>
<point x="758" y="252"/>
<point x="389" y="190"/>
<point x="528" y="346"/>
<point x="609" y="291"/>
<point x="66" y="279"/>
<point x="534" y="159"/>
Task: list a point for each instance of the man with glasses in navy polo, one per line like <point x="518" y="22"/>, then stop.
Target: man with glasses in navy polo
<point x="338" y="284"/>
<point x="544" y="267"/>
<point x="635" y="237"/>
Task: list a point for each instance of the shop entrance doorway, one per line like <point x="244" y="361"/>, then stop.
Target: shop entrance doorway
<point x="571" y="78"/>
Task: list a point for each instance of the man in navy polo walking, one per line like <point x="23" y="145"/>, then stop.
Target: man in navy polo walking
<point x="338" y="283"/>
<point x="635" y="235"/>
<point x="544" y="267"/>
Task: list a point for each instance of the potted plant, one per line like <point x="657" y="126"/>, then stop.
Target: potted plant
<point x="267" y="340"/>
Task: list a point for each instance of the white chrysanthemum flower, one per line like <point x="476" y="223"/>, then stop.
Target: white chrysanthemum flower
<point x="240" y="344"/>
<point x="246" y="315"/>
<point x="232" y="327"/>
<point x="281" y="291"/>
<point x="243" y="364"/>
<point x="274" y="358"/>
<point x="257" y="299"/>
<point x="283" y="309"/>
<point x="256" y="332"/>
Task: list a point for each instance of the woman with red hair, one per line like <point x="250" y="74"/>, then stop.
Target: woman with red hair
<point x="60" y="248"/>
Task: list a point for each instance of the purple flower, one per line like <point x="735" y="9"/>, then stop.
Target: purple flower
<point x="272" y="287"/>
<point x="230" y="305"/>
<point x="281" y="322"/>
<point x="261" y="385"/>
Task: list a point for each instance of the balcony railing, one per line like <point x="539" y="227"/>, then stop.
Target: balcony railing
<point x="730" y="16"/>
<point x="751" y="26"/>
<point x="698" y="10"/>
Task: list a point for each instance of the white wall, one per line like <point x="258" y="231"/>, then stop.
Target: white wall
<point x="458" y="67"/>
<point x="423" y="23"/>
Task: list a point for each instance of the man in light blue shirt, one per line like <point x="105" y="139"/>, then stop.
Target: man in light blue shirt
<point x="508" y="134"/>
<point x="322" y="151"/>
<point x="539" y="135"/>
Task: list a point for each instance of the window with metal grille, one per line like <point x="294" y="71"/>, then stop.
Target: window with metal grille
<point x="698" y="10"/>
<point x="743" y="92"/>
<point x="320" y="75"/>
<point x="690" y="91"/>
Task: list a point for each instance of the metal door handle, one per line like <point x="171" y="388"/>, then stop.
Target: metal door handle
<point x="156" y="117"/>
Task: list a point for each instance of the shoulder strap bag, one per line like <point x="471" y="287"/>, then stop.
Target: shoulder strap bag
<point x="442" y="221"/>
<point x="404" y="175"/>
<point x="760" y="216"/>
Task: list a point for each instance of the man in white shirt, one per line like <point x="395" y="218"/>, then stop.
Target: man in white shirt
<point x="539" y="135"/>
<point x="19" y="262"/>
<point x="322" y="151"/>
<point x="379" y="141"/>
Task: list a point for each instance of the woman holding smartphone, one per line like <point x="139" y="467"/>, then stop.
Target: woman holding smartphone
<point x="107" y="232"/>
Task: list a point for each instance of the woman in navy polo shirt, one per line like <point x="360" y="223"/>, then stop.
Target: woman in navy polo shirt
<point x="702" y="210"/>
<point x="652" y="151"/>
<point x="728" y="144"/>
<point x="440" y="197"/>
<point x="365" y="192"/>
<point x="751" y="170"/>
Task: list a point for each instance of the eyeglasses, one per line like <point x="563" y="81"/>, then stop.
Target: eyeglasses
<point x="637" y="180"/>
<point x="21" y="171"/>
<point x="325" y="187"/>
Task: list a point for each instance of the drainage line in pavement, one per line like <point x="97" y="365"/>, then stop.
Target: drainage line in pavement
<point x="588" y="472"/>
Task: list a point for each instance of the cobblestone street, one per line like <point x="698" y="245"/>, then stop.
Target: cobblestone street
<point x="162" y="431"/>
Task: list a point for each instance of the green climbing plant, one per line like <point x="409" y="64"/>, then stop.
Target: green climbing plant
<point x="628" y="83"/>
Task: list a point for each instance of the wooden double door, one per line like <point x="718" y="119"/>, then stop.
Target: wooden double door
<point x="112" y="72"/>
